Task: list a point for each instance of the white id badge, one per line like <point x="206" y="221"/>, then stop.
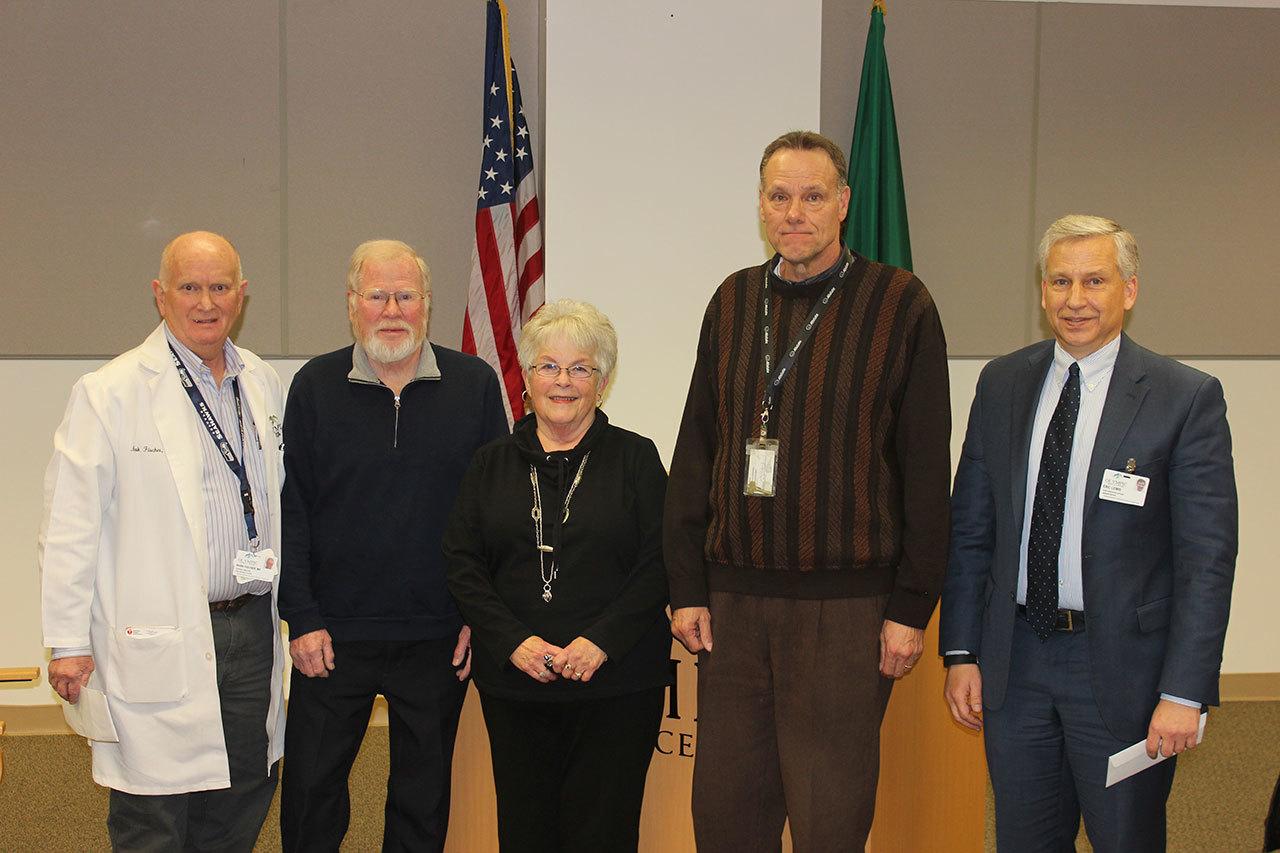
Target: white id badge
<point x="762" y="462"/>
<point x="1124" y="488"/>
<point x="261" y="565"/>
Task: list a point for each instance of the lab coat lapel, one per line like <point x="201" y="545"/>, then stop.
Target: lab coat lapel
<point x="255" y="397"/>
<point x="175" y="421"/>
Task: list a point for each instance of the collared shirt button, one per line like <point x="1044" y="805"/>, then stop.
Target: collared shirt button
<point x="208" y="655"/>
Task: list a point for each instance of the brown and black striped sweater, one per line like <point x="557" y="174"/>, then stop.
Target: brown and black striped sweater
<point x="864" y="426"/>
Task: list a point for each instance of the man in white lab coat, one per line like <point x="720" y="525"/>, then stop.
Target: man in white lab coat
<point x="159" y="568"/>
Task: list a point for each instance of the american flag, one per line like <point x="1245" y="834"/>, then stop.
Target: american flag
<point x="506" y="262"/>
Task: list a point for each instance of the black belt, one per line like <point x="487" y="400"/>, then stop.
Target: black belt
<point x="232" y="604"/>
<point x="1067" y="621"/>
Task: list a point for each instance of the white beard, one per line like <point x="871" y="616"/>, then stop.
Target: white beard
<point x="385" y="353"/>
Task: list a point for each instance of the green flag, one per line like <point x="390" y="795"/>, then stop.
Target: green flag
<point x="877" y="223"/>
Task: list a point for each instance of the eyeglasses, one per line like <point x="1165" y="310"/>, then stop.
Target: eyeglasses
<point x="404" y="298"/>
<point x="551" y="370"/>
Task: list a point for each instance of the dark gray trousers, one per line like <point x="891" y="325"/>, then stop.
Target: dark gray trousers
<point x="789" y="709"/>
<point x="227" y="819"/>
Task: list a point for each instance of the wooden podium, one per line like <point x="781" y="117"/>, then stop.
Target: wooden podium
<point x="932" y="793"/>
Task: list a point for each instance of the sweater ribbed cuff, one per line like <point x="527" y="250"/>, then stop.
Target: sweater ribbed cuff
<point x="303" y="621"/>
<point x="688" y="592"/>
<point x="911" y="608"/>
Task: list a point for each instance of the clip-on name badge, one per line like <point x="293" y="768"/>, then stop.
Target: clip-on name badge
<point x="256" y="566"/>
<point x="762" y="463"/>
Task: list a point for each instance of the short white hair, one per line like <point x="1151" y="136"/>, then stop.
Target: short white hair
<point x="384" y="250"/>
<point x="1078" y="225"/>
<point x="579" y="324"/>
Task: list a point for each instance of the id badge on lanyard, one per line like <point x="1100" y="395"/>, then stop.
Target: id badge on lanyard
<point x="248" y="565"/>
<point x="761" y="463"/>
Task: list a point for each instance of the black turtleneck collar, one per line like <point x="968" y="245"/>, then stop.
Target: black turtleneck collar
<point x="525" y="432"/>
<point x="810" y="283"/>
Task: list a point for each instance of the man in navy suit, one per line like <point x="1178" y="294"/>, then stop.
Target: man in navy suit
<point x="1092" y="552"/>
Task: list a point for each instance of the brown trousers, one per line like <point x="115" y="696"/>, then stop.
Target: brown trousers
<point x="789" y="708"/>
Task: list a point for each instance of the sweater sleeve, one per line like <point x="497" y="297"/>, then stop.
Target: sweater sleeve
<point x="687" y="512"/>
<point x="493" y="624"/>
<point x="644" y="594"/>
<point x="298" y="606"/>
<point x="923" y="443"/>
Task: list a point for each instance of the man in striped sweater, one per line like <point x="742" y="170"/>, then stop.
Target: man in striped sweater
<point x="806" y="516"/>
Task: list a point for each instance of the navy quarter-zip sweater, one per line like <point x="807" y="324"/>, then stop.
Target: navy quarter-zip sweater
<point x="370" y="480"/>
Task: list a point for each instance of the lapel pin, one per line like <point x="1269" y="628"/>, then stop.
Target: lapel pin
<point x="1131" y="465"/>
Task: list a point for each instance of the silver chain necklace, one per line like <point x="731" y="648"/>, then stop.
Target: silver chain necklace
<point x="543" y="549"/>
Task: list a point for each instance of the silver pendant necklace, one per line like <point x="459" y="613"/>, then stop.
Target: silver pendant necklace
<point x="544" y="549"/>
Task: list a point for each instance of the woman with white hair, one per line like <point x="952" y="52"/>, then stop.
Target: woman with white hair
<point x="555" y="559"/>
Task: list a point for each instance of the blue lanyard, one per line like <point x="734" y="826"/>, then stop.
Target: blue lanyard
<point x="220" y="441"/>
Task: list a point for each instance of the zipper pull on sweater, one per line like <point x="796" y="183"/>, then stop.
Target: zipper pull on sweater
<point x="395" y="434"/>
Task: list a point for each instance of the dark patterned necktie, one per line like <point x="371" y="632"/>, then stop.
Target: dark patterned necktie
<point x="1048" y="508"/>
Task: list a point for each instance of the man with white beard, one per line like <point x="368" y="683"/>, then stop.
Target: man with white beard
<point x="377" y="438"/>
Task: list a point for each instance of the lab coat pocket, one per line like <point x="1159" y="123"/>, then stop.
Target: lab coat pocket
<point x="147" y="664"/>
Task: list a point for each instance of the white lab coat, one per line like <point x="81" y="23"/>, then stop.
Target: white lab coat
<point x="122" y="545"/>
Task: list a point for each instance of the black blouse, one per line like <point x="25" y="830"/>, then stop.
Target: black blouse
<point x="611" y="586"/>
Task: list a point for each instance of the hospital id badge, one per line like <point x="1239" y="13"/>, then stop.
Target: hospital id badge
<point x="1123" y="487"/>
<point x="762" y="464"/>
<point x="261" y="565"/>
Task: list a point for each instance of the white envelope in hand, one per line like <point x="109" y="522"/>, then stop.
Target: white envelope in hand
<point x="1133" y="759"/>
<point x="90" y="717"/>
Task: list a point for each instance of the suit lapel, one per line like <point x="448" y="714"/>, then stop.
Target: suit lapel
<point x="1022" y="412"/>
<point x="171" y="409"/>
<point x="1125" y="394"/>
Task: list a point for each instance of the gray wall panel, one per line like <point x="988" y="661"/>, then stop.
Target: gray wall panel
<point x="384" y="125"/>
<point x="1011" y="114"/>
<point x="1168" y="119"/>
<point x="963" y="78"/>
<point x="127" y="123"/>
<point x="122" y="125"/>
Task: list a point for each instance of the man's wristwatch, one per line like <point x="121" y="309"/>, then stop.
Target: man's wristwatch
<point x="951" y="660"/>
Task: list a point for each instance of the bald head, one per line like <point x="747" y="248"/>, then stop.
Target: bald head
<point x="202" y="242"/>
<point x="200" y="292"/>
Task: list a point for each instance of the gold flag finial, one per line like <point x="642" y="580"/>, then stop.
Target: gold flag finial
<point x="879" y="4"/>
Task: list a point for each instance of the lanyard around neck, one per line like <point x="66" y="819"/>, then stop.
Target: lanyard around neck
<point x="220" y="441"/>
<point x="775" y="376"/>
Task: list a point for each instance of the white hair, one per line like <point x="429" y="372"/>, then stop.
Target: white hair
<point x="579" y="324"/>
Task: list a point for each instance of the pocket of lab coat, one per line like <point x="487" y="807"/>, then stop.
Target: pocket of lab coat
<point x="148" y="664"/>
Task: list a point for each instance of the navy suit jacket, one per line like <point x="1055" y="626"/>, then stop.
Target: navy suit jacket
<point x="1157" y="578"/>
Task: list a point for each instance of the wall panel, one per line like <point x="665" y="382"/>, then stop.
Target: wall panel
<point x="1167" y="119"/>
<point x="121" y="125"/>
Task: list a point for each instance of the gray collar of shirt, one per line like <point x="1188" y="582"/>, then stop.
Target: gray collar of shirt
<point x="362" y="370"/>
